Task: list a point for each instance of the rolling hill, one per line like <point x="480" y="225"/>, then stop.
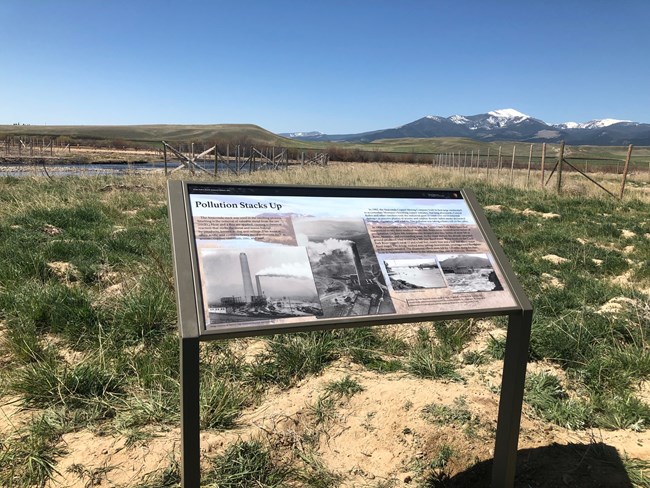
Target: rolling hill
<point x="239" y="133"/>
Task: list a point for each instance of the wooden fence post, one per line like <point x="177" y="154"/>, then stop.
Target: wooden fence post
<point x="512" y="165"/>
<point x="487" y="166"/>
<point x="499" y="162"/>
<point x="530" y="159"/>
<point x="216" y="158"/>
<point x="627" y="165"/>
<point x="165" y="157"/>
<point x="559" y="169"/>
<point x="543" y="161"/>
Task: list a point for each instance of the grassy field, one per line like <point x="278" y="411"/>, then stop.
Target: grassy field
<point x="88" y="344"/>
<point x="249" y="134"/>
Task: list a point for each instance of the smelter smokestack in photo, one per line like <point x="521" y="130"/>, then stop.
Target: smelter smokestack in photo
<point x="361" y="274"/>
<point x="246" y="277"/>
<point x="259" y="285"/>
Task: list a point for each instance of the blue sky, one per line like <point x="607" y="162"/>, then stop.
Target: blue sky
<point x="332" y="66"/>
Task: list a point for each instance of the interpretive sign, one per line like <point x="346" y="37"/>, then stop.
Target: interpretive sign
<point x="272" y="256"/>
<point x="252" y="260"/>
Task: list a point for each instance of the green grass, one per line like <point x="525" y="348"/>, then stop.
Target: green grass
<point x="48" y="384"/>
<point x="434" y="472"/>
<point x="246" y="464"/>
<point x="434" y="359"/>
<point x="345" y="387"/>
<point x="221" y="401"/>
<point x="89" y="357"/>
<point x="638" y="470"/>
<point x="169" y="477"/>
<point x="458" y="414"/>
<point x="323" y="410"/>
<point x="549" y="400"/>
<point x="28" y="458"/>
<point x="291" y="357"/>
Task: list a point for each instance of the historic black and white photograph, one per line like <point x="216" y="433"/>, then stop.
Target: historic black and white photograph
<point x="469" y="272"/>
<point x="414" y="274"/>
<point x="261" y="283"/>
<point x="345" y="267"/>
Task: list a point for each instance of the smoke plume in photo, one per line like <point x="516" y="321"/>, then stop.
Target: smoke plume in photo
<point x="345" y="267"/>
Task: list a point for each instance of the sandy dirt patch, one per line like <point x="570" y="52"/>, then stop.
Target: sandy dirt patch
<point x="550" y="281"/>
<point x="554" y="259"/>
<point x="51" y="230"/>
<point x="12" y="416"/>
<point x="494" y="208"/>
<point x="545" y="215"/>
<point x="617" y="305"/>
<point x="67" y="273"/>
<point x="625" y="280"/>
<point x="108" y="461"/>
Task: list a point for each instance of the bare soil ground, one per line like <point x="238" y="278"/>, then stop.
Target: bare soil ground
<point x="380" y="434"/>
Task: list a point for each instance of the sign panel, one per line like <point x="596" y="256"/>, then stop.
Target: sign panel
<point x="271" y="257"/>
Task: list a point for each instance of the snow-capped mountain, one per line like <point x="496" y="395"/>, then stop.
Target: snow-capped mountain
<point x="301" y="135"/>
<point x="459" y="119"/>
<point x="593" y="124"/>
<point x="504" y="125"/>
<point x="501" y="118"/>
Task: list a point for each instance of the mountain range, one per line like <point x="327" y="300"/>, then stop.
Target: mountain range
<point x="501" y="125"/>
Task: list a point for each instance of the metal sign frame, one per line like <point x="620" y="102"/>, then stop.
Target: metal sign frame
<point x="192" y="327"/>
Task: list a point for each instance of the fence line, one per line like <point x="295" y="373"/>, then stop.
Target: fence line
<point x="243" y="158"/>
<point x="197" y="156"/>
<point x="442" y="160"/>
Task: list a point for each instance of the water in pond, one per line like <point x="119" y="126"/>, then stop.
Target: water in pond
<point x="98" y="169"/>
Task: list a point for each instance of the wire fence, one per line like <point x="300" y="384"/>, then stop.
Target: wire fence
<point x="25" y="155"/>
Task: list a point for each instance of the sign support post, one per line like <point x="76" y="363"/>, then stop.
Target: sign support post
<point x="510" y="402"/>
<point x="190" y="414"/>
